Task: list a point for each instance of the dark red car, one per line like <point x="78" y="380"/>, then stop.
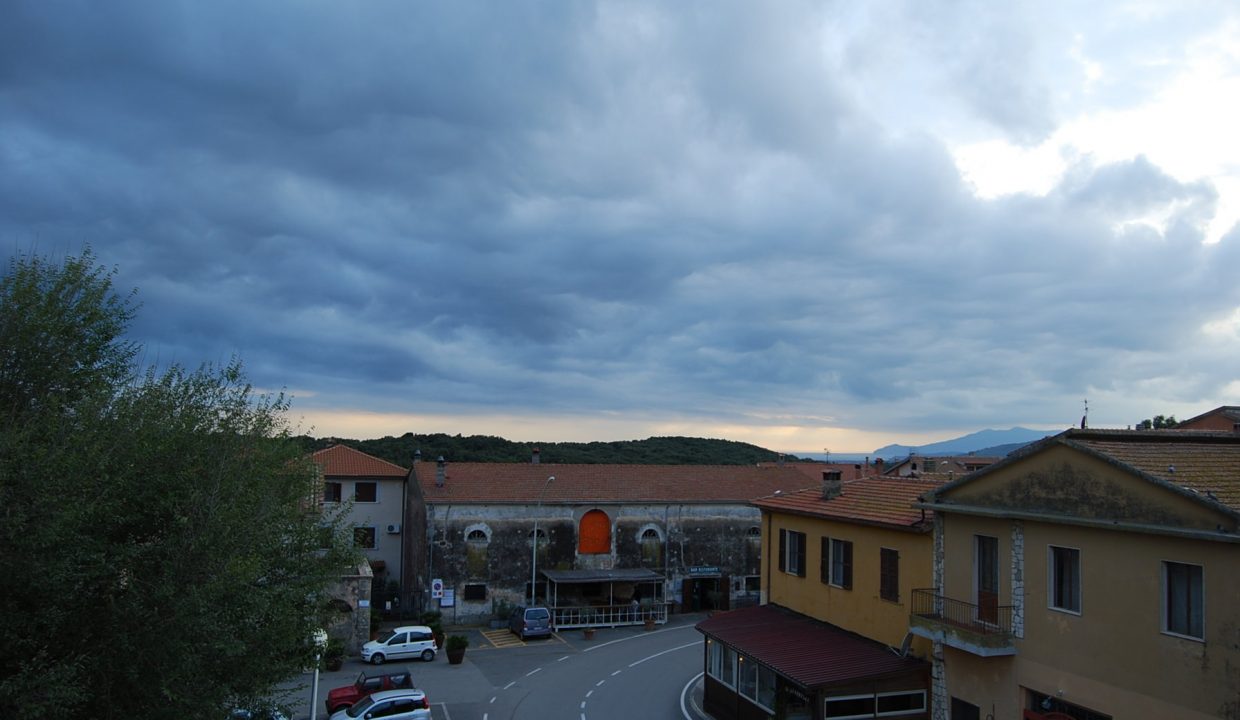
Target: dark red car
<point x="343" y="697"/>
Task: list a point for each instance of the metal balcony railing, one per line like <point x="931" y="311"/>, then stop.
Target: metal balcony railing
<point x="985" y="618"/>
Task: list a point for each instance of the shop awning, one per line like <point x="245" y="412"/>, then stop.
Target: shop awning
<point x="633" y="575"/>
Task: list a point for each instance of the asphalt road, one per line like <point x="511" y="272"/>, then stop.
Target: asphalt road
<point x="621" y="673"/>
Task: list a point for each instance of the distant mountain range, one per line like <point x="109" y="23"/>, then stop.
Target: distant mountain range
<point x="995" y="443"/>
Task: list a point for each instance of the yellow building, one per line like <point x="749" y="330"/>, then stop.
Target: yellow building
<point x="830" y="639"/>
<point x="1093" y="575"/>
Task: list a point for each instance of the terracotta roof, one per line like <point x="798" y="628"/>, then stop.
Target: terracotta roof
<point x="344" y="461"/>
<point x="1204" y="462"/>
<point x="875" y="500"/>
<point x="812" y="653"/>
<point x="814" y="470"/>
<point x="527" y="482"/>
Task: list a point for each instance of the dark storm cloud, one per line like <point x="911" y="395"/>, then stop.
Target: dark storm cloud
<point x="674" y="210"/>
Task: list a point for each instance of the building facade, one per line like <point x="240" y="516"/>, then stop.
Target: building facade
<point x="689" y="526"/>
<point x="372" y="494"/>
<point x="1093" y="575"/>
<point x="839" y="563"/>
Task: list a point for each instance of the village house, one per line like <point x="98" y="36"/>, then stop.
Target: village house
<point x="1092" y="575"/>
<point x="372" y="493"/>
<point x="830" y="640"/>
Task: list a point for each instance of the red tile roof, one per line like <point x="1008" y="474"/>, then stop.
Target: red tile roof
<point x="876" y="500"/>
<point x="344" y="461"/>
<point x="812" y="653"/>
<point x="525" y="482"/>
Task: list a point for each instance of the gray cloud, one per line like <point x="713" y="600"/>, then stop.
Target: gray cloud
<point x="642" y="208"/>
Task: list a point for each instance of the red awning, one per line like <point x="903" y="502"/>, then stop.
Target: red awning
<point x="809" y="652"/>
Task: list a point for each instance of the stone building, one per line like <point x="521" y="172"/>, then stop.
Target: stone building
<point x="614" y="542"/>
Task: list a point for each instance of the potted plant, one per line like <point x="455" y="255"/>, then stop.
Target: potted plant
<point x="589" y="633"/>
<point x="456" y="645"/>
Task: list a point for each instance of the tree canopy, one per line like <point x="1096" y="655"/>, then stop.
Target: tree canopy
<point x="1158" y="422"/>
<point x="486" y="448"/>
<point x="161" y="552"/>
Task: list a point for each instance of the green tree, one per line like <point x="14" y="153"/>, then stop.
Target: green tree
<point x="1158" y="422"/>
<point x="160" y="546"/>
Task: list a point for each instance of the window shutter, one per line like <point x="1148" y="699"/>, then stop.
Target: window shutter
<point x="783" y="550"/>
<point x="801" y="556"/>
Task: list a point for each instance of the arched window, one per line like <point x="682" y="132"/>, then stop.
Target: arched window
<point x="477" y="536"/>
<point x="595" y="534"/>
<point x="754" y="532"/>
<point x="650" y="535"/>
<point x="542" y="535"/>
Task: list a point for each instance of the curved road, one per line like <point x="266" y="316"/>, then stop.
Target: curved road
<point x="625" y="673"/>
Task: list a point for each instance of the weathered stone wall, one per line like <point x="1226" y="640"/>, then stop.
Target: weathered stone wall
<point x="350" y="596"/>
<point x="678" y="537"/>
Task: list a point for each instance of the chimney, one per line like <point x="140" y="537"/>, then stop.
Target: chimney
<point x="780" y="461"/>
<point x="535" y="459"/>
<point x="417" y="455"/>
<point x="832" y="485"/>
<point x="878" y="465"/>
<point x="441" y="471"/>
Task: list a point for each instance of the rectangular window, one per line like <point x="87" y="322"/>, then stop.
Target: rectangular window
<point x="1183" y="600"/>
<point x="331" y="492"/>
<point x="841" y="563"/>
<point x="1064" y="583"/>
<point x="714" y="659"/>
<point x="365" y="492"/>
<point x="792" y="552"/>
<point x="475" y="591"/>
<point x="895" y="704"/>
<point x="728" y="676"/>
<point x="889" y="574"/>
<point x="962" y="710"/>
<point x="766" y="688"/>
<point x="746" y="677"/>
<point x="986" y="577"/>
<point x="364" y="537"/>
<point x="849" y="706"/>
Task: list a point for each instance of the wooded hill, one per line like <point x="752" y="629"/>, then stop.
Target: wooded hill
<point x="485" y="448"/>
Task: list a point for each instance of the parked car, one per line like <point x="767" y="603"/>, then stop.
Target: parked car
<point x="405" y="642"/>
<point x="531" y="621"/>
<point x="390" y="705"/>
<point x="345" y="696"/>
<point x="269" y="712"/>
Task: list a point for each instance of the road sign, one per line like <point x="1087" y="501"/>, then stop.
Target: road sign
<point x="436" y="588"/>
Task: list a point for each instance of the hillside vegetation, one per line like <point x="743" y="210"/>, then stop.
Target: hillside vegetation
<point x="486" y="448"/>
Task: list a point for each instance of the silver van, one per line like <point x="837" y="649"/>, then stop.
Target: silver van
<point x="530" y="622"/>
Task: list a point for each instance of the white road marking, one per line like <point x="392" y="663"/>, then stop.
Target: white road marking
<point x="493" y="699"/>
<point x="599" y="683"/>
<point x="652" y="657"/>
<point x="514" y="682"/>
<point x="538" y="669"/>
<point x="616" y="673"/>
<point x="583" y="704"/>
<point x="590" y="693"/>
<point x="638" y="637"/>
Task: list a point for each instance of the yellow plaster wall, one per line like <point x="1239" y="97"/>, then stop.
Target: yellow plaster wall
<point x="1113" y="656"/>
<point x="860" y="609"/>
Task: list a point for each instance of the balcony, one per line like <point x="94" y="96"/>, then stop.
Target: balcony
<point x="981" y="629"/>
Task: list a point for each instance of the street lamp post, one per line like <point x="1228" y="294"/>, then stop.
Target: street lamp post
<point x="534" y="552"/>
<point x="320" y="644"/>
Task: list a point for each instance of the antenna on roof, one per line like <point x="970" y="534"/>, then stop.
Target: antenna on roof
<point x="1085" y="417"/>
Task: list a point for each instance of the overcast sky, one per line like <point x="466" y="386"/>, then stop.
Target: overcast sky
<point x="802" y="225"/>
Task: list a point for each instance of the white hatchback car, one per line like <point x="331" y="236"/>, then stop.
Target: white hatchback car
<point x="409" y="641"/>
<point x="409" y="704"/>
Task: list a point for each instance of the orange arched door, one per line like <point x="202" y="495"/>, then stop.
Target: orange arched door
<point x="595" y="534"/>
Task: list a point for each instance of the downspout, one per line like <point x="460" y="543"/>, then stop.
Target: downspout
<point x="766" y="585"/>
